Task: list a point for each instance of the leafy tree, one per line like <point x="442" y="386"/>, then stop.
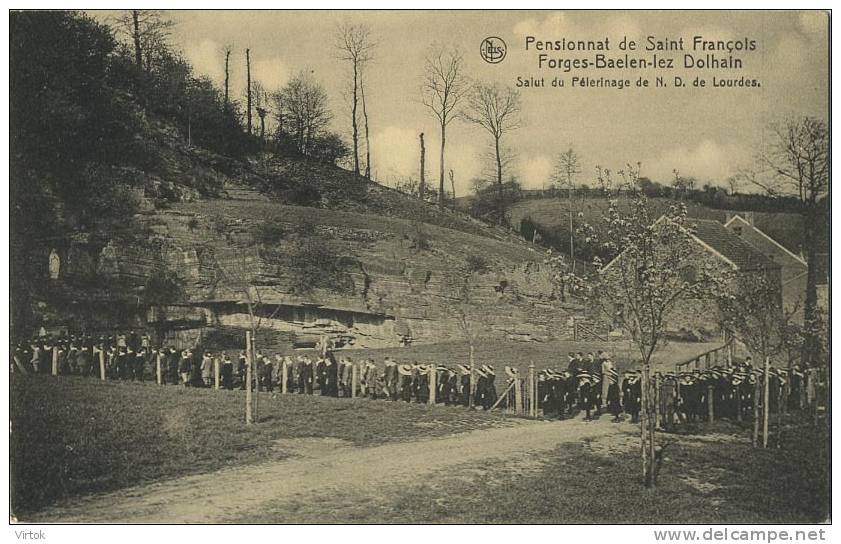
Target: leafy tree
<point x="646" y="281"/>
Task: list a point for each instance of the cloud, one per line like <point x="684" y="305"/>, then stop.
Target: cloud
<point x="535" y="171"/>
<point x="272" y="72"/>
<point x="708" y="161"/>
<point x="395" y="154"/>
<point x="552" y="25"/>
<point x="207" y="59"/>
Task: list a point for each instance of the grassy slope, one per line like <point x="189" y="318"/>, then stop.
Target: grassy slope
<point x="551" y="213"/>
<point x="711" y="477"/>
<point x="72" y="436"/>
<point x="461" y="240"/>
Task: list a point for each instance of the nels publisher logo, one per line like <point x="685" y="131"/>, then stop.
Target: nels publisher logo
<point x="493" y="50"/>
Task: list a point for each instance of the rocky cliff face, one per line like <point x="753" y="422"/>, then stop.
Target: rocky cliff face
<point x="397" y="280"/>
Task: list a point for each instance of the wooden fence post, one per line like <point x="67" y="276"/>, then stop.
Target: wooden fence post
<point x="532" y="391"/>
<point x="433" y="387"/>
<point x="646" y="474"/>
<point x="284" y="377"/>
<point x="102" y="364"/>
<point x="55" y="361"/>
<point x="216" y="373"/>
<point x="757" y="394"/>
<point x="518" y="396"/>
<point x="248" y="378"/>
<point x="766" y="404"/>
<point x="658" y="417"/>
<point x="158" y="367"/>
<point x="710" y="403"/>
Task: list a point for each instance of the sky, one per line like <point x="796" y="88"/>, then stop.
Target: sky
<point x="708" y="133"/>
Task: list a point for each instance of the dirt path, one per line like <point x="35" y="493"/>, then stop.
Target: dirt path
<point x="320" y="464"/>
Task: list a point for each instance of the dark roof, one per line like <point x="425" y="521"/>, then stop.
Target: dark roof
<point x="741" y="253"/>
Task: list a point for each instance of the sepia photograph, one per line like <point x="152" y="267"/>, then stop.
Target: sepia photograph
<point x="420" y="267"/>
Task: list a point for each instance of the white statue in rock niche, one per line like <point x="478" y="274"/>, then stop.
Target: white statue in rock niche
<point x="54" y="264"/>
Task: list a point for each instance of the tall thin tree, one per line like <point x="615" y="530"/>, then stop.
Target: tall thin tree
<point x="566" y="170"/>
<point x="355" y="45"/>
<point x="497" y="110"/>
<point x="248" y="89"/>
<point x="444" y="87"/>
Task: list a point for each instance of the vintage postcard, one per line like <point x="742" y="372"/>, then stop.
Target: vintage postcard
<point x="419" y="267"/>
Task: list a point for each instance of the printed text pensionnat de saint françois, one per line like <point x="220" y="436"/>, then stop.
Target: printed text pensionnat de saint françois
<point x="699" y="53"/>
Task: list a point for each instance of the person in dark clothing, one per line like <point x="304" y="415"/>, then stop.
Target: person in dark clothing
<point x="227" y="372"/>
<point x="242" y="370"/>
<point x="614" y="404"/>
<point x="331" y="371"/>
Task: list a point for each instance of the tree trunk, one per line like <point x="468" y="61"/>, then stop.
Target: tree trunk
<point x="367" y="136"/>
<point x="441" y="166"/>
<point x="571" y="231"/>
<point x="644" y="436"/>
<point x="422" y="185"/>
<point x="248" y="90"/>
<point x="227" y="77"/>
<point x="138" y="52"/>
<point x="472" y="385"/>
<point x="811" y="347"/>
<point x="500" y="204"/>
<point x="353" y="120"/>
<point x="766" y="404"/>
<point x="248" y="377"/>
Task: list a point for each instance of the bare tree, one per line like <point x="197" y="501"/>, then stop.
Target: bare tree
<point x="367" y="133"/>
<point x="259" y="100"/>
<point x="248" y="90"/>
<point x="796" y="163"/>
<point x="567" y="169"/>
<point x="227" y="50"/>
<point x="497" y="110"/>
<point x="302" y="105"/>
<point x="444" y="87"/>
<point x="148" y="31"/>
<point x="422" y="184"/>
<point x="355" y="45"/>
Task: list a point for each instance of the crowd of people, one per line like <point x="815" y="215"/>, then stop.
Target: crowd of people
<point x="586" y="383"/>
<point x="592" y="385"/>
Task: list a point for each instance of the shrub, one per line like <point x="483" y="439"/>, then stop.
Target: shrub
<point x="303" y="195"/>
<point x="268" y="232"/>
<point x="316" y="264"/>
<point x="478" y="264"/>
<point x="421" y="240"/>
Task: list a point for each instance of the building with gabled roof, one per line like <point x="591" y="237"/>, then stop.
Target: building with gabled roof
<point x="793" y="267"/>
<point x="718" y="245"/>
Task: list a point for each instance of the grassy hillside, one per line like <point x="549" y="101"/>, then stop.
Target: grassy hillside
<point x="551" y="214"/>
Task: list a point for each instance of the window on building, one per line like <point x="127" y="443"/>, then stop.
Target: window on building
<point x="737" y="231"/>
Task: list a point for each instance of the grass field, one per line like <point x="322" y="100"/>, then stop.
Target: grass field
<point x="73" y="436"/>
<point x="714" y="476"/>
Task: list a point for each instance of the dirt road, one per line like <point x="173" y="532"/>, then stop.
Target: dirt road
<point x="318" y="465"/>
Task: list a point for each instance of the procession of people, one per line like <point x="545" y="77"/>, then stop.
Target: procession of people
<point x="586" y="384"/>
